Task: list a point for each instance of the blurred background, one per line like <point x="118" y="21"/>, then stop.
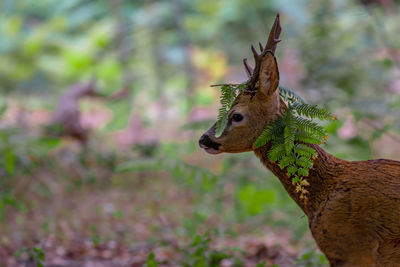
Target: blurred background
<point x="102" y="103"/>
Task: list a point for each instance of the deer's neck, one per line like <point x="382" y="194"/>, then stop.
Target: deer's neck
<point x="322" y="177"/>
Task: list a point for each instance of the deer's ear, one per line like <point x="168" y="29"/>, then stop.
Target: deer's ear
<point x="269" y="76"/>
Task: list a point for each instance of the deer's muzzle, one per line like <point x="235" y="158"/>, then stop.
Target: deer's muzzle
<point x="209" y="145"/>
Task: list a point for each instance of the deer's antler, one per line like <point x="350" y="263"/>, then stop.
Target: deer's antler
<point x="249" y="70"/>
<point x="273" y="40"/>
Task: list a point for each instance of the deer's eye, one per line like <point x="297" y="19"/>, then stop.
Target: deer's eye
<point x="237" y="117"/>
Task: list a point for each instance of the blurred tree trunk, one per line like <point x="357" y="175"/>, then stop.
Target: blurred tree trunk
<point x="188" y="66"/>
<point x="122" y="43"/>
<point x="159" y="70"/>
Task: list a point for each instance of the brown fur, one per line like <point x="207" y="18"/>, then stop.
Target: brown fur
<point x="353" y="208"/>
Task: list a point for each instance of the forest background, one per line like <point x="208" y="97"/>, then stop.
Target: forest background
<point x="140" y="191"/>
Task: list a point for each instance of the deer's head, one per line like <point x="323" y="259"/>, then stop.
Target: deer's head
<point x="254" y="108"/>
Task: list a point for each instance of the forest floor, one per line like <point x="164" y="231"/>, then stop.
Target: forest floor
<point x="74" y="211"/>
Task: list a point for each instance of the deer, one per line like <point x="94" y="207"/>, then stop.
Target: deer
<point x="67" y="114"/>
<point x="353" y="207"/>
<point x="66" y="119"/>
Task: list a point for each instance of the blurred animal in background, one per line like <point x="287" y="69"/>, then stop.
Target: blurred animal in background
<point x="65" y="121"/>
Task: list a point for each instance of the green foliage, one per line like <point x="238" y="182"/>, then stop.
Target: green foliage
<point x="3" y="109"/>
<point x="36" y="256"/>
<point x="70" y="41"/>
<point x="151" y="260"/>
<point x="228" y="96"/>
<point x="20" y="153"/>
<point x="254" y="199"/>
<point x="311" y="258"/>
<point x="200" y="254"/>
<point x="273" y="129"/>
<point x="292" y="135"/>
<point x="7" y="199"/>
<point x="199" y="179"/>
<point x="311" y="111"/>
<point x="290" y="95"/>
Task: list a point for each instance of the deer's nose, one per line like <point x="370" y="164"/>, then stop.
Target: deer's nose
<point x="206" y="142"/>
<point x="202" y="139"/>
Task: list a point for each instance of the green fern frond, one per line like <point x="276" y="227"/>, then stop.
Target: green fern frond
<point x="303" y="172"/>
<point x="287" y="160"/>
<point x="304" y="150"/>
<point x="265" y="136"/>
<point x="309" y="126"/>
<point x="289" y="131"/>
<point x="307" y="138"/>
<point x="284" y="162"/>
<point x="228" y="96"/>
<point x="311" y="111"/>
<point x="271" y="132"/>
<point x="304" y="162"/>
<point x="291" y="170"/>
<point x="292" y="135"/>
<point x="276" y="152"/>
<point x="289" y="95"/>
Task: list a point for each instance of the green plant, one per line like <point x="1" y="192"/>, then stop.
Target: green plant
<point x="7" y="199"/>
<point x="197" y="178"/>
<point x="311" y="258"/>
<point x="151" y="260"/>
<point x="228" y="95"/>
<point x="292" y="136"/>
<point x="200" y="254"/>
<point x="35" y="255"/>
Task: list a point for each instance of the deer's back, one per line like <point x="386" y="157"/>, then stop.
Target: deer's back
<point x="370" y="191"/>
<point x="361" y="213"/>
